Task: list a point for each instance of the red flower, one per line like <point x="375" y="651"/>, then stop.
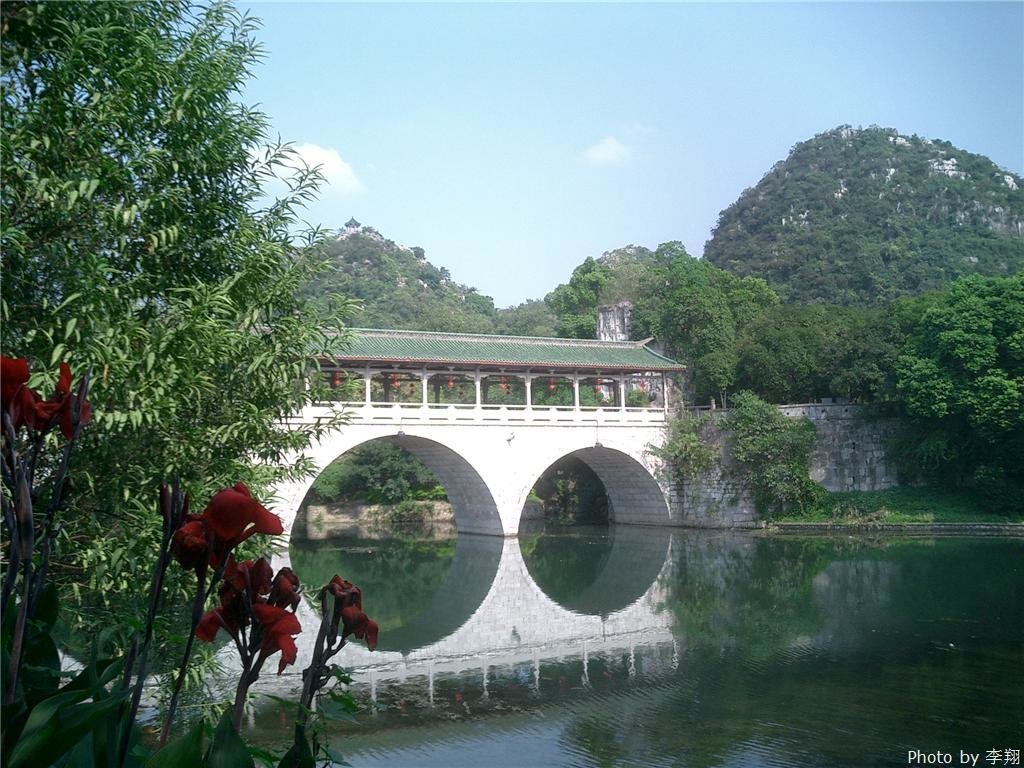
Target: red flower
<point x="348" y="611"/>
<point x="190" y="544"/>
<point x="66" y="403"/>
<point x="245" y="584"/>
<point x="278" y="626"/>
<point x="233" y="515"/>
<point x="230" y="518"/>
<point x="359" y="624"/>
<point x="253" y="576"/>
<point x="23" y="406"/>
<point x="284" y="593"/>
<point x="345" y="593"/>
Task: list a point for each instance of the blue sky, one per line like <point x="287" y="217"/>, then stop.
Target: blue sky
<point x="512" y="141"/>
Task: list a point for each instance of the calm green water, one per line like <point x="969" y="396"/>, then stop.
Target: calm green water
<point x="629" y="646"/>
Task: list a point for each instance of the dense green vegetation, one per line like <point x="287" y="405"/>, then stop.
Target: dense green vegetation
<point x="377" y="473"/>
<point x="699" y="312"/>
<point x="767" y="452"/>
<point x="397" y="287"/>
<point x="863" y="216"/>
<point x="131" y="244"/>
<point x="908" y="504"/>
<point x="960" y="382"/>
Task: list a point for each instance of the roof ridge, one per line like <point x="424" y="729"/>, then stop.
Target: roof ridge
<point x="535" y="340"/>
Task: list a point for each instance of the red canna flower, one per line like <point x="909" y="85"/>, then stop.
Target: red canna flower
<point x="278" y="626"/>
<point x="233" y="515"/>
<point x="65" y="403"/>
<point x="357" y="623"/>
<point x="24" y="406"/>
<point x="345" y="593"/>
<point x="284" y="593"/>
<point x="252" y="576"/>
<point x="191" y="543"/>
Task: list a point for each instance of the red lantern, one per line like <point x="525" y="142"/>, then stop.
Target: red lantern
<point x="551" y="385"/>
<point x="451" y="382"/>
<point x="643" y="386"/>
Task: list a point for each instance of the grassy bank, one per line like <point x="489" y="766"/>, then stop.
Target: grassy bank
<point x="907" y="505"/>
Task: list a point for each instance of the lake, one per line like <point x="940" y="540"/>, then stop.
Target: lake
<point x="664" y="647"/>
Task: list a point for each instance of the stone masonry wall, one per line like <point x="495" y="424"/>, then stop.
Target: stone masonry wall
<point x="849" y="455"/>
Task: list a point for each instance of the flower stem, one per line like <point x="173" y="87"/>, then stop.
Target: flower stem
<point x="17" y="643"/>
<point x="197" y="614"/>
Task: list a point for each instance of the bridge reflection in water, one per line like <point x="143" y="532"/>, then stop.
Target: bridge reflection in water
<point x="489" y="611"/>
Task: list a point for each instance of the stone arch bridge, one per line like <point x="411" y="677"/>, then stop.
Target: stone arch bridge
<point x="489" y="414"/>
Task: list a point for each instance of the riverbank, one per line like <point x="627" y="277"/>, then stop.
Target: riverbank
<point x="905" y="509"/>
<point x="1014" y="530"/>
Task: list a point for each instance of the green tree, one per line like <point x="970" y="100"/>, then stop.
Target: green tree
<point x="698" y="310"/>
<point x="575" y="303"/>
<point x="531" y="318"/>
<point x="960" y="379"/>
<point x="797" y="353"/>
<point x="136" y="241"/>
<point x="377" y="472"/>
<point x="771" y="453"/>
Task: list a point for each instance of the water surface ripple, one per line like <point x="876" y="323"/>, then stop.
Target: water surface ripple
<point x="653" y="647"/>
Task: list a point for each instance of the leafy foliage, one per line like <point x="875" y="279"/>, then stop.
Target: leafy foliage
<point x="771" y="453"/>
<point x="798" y="353"/>
<point x="377" y="472"/>
<point x="698" y="311"/>
<point x="685" y="450"/>
<point x="862" y="216"/>
<point x="960" y="379"/>
<point x="618" y="275"/>
<point x="572" y="494"/>
<point x="132" y="243"/>
<point x="575" y="303"/>
<point x="397" y="286"/>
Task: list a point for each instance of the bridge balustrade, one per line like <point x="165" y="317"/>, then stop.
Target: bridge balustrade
<point x="505" y="396"/>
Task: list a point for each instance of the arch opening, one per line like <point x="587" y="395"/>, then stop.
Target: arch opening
<point x="409" y="474"/>
<point x="595" y="485"/>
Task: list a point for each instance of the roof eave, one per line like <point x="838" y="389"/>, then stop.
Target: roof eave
<point x="506" y="364"/>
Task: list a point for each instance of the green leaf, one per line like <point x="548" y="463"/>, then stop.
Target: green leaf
<point x="228" y="750"/>
<point x="298" y="756"/>
<point x="97" y="674"/>
<point x="56" y="725"/>
<point x="184" y="752"/>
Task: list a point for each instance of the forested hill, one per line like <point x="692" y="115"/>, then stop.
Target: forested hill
<point x="861" y="216"/>
<point x="398" y="287"/>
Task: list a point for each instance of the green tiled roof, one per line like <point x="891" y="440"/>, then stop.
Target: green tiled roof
<point x="373" y="345"/>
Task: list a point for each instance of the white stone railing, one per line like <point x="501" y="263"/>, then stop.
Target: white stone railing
<point x="434" y="413"/>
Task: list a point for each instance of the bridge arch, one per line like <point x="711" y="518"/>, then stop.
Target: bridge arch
<point x="473" y="504"/>
<point x="634" y="494"/>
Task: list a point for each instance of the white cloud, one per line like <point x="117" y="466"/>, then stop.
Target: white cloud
<point x="608" y="151"/>
<point x="338" y="174"/>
